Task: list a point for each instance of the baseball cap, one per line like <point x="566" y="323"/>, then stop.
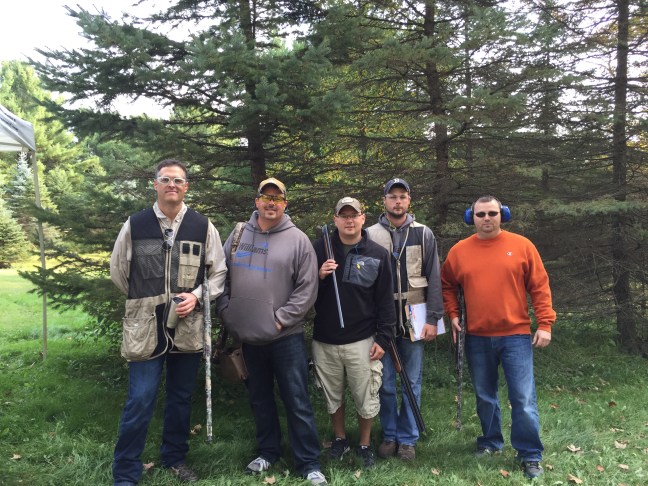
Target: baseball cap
<point x="272" y="182"/>
<point x="348" y="201"/>
<point x="396" y="182"/>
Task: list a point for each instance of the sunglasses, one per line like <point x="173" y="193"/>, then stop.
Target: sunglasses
<point x="348" y="216"/>
<point x="482" y="214"/>
<point x="274" y="199"/>
<point x="178" y="181"/>
<point x="167" y="244"/>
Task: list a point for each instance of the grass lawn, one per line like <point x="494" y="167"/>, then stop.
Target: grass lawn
<point x="59" y="416"/>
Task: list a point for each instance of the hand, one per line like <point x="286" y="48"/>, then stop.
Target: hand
<point x="327" y="268"/>
<point x="541" y="339"/>
<point x="184" y="308"/>
<point x="456" y="328"/>
<point x="429" y="332"/>
<point x="278" y="326"/>
<point x="376" y="352"/>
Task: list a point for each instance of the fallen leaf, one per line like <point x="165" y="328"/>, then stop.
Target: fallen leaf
<point x="326" y="444"/>
<point x="549" y="467"/>
<point x="196" y="429"/>
<point x="504" y="473"/>
<point x="573" y="479"/>
<point x="148" y="465"/>
<point x="573" y="448"/>
<point x="15" y="457"/>
<point x="269" y="480"/>
<point x="624" y="467"/>
<point x="616" y="429"/>
<point x="612" y="404"/>
<point x="554" y="406"/>
<point x="436" y="472"/>
<point x="358" y="473"/>
<point x="621" y="444"/>
<point x="600" y="468"/>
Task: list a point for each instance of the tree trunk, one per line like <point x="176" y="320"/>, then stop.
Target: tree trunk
<point x="441" y="187"/>
<point x="253" y="132"/>
<point x="626" y="324"/>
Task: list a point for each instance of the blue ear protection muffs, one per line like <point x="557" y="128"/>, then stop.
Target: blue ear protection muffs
<point x="504" y="211"/>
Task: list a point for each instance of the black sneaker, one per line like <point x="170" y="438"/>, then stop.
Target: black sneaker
<point x="339" y="447"/>
<point x="532" y="469"/>
<point x="367" y="455"/>
<point x="486" y="452"/>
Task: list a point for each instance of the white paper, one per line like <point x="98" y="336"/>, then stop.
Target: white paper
<point x="417" y="318"/>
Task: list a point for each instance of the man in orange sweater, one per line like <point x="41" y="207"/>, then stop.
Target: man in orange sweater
<point x="496" y="270"/>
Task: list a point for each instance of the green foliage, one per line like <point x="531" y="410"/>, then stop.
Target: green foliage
<point x="14" y="246"/>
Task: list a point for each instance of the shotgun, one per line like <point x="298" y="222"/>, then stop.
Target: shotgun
<point x="329" y="256"/>
<point x="407" y="386"/>
<point x="461" y="340"/>
<point x="207" y="351"/>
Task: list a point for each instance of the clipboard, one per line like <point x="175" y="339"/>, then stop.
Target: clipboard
<point x="416" y="318"/>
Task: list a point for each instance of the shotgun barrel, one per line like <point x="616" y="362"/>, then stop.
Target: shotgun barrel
<point x="407" y="386"/>
<point x="329" y="255"/>
<point x="461" y="341"/>
<point x="207" y="351"/>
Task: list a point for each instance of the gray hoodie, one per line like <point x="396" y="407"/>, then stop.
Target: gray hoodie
<point x="272" y="278"/>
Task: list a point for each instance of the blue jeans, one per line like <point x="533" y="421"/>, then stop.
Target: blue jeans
<point x="143" y="383"/>
<point x="286" y="361"/>
<point x="398" y="424"/>
<point x="515" y="354"/>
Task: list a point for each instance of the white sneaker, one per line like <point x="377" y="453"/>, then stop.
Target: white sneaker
<point x="257" y="466"/>
<point x="316" y="477"/>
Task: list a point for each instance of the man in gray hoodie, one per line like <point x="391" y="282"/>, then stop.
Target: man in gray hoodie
<point x="272" y="283"/>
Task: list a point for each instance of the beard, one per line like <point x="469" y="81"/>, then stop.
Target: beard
<point x="396" y="215"/>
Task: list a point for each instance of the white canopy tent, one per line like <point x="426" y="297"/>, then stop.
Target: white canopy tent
<point x="17" y="135"/>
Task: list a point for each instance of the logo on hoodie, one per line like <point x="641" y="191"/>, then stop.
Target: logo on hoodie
<point x="247" y="249"/>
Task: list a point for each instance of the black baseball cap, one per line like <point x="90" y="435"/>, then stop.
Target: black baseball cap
<point x="396" y="182"/>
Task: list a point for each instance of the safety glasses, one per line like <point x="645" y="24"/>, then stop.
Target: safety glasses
<point x="178" y="181"/>
<point x="271" y="199"/>
<point x="167" y="244"/>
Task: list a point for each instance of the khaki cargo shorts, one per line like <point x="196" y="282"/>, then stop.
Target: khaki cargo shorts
<point x="334" y="362"/>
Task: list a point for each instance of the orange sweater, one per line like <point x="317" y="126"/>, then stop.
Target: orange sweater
<point x="496" y="276"/>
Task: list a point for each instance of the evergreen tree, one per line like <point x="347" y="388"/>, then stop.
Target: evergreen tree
<point x="246" y="102"/>
<point x="14" y="246"/>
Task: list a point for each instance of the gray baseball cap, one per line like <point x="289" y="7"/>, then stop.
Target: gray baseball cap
<point x="348" y="201"/>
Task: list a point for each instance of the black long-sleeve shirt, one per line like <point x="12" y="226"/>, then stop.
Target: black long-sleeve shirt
<point x="364" y="279"/>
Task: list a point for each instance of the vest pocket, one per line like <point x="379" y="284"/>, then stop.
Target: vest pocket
<point x="188" y="334"/>
<point x="414" y="260"/>
<point x="139" y="337"/>
<point x="189" y="263"/>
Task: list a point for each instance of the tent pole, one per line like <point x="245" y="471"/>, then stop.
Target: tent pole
<point x="41" y="242"/>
